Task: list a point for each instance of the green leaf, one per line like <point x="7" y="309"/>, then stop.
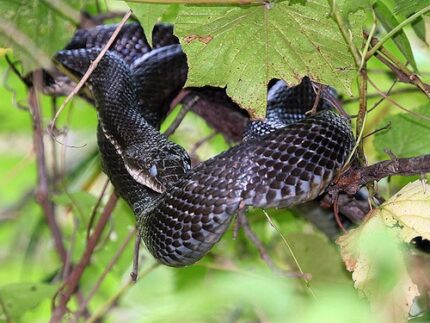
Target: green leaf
<point x="409" y="7"/>
<point x="19" y="298"/>
<point x="419" y="27"/>
<point x="405" y="138"/>
<point x="82" y="203"/>
<point x="317" y="257"/>
<point x="149" y="14"/>
<point x="36" y="29"/>
<point x="244" y="47"/>
<point x="400" y="39"/>
<point x="347" y="7"/>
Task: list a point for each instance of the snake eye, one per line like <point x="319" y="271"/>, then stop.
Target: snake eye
<point x="153" y="171"/>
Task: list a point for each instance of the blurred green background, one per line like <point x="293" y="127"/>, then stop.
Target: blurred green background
<point x="232" y="283"/>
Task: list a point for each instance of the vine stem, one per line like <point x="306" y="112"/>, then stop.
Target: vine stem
<point x="396" y="29"/>
<point x="42" y="192"/>
<point x="303" y="274"/>
<point x="72" y="282"/>
<point x="346" y="33"/>
<point x="90" y="69"/>
<point x="106" y="271"/>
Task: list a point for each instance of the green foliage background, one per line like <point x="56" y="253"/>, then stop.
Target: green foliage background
<point x="232" y="283"/>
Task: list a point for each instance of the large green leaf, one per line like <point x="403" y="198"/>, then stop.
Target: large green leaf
<point x="389" y="22"/>
<point x="36" y="29"/>
<point x="243" y="47"/>
<point x="408" y="135"/>
<point x="18" y="298"/>
<point x="151" y="13"/>
<point x="346" y="7"/>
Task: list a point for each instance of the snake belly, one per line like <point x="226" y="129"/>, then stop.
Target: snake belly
<point x="182" y="212"/>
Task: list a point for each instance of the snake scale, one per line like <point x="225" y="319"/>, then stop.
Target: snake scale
<point x="287" y="159"/>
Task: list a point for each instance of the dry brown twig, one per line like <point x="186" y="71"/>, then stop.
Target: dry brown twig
<point x="91" y="68"/>
<point x="42" y="190"/>
<point x="72" y="281"/>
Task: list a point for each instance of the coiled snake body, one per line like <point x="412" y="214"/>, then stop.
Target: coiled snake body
<point x="182" y="211"/>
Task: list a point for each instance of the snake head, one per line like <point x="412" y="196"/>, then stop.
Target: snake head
<point x="156" y="168"/>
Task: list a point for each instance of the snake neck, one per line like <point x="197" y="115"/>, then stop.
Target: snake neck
<point x="149" y="157"/>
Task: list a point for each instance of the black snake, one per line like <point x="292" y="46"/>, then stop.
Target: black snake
<point x="287" y="159"/>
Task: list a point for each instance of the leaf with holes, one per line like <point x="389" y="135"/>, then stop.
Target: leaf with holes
<point x="244" y="47"/>
<point x="36" y="29"/>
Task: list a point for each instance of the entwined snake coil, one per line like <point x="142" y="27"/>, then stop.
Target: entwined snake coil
<point x="287" y="159"/>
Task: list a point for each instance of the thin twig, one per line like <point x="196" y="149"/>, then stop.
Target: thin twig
<point x="396" y="29"/>
<point x="175" y="124"/>
<point x="114" y="298"/>
<point x="362" y="113"/>
<point x="399" y="69"/>
<point x="97" y="285"/>
<point x="96" y="207"/>
<point x="242" y="221"/>
<point x="72" y="281"/>
<point x="42" y="191"/>
<point x="418" y="115"/>
<point x="405" y="90"/>
<point x="336" y="213"/>
<point x="317" y="99"/>
<point x="91" y="68"/>
<point x="387" y="126"/>
<point x="306" y="277"/>
<point x="346" y="33"/>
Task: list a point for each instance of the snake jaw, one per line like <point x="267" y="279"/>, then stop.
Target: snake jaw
<point x="145" y="176"/>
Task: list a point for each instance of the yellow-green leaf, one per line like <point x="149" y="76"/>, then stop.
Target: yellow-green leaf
<point x="408" y="211"/>
<point x="373" y="254"/>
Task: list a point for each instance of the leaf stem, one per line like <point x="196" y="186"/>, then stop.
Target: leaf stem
<point x="393" y="31"/>
<point x="346" y="33"/>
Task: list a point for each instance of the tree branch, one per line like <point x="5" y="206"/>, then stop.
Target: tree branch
<point x="353" y="179"/>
